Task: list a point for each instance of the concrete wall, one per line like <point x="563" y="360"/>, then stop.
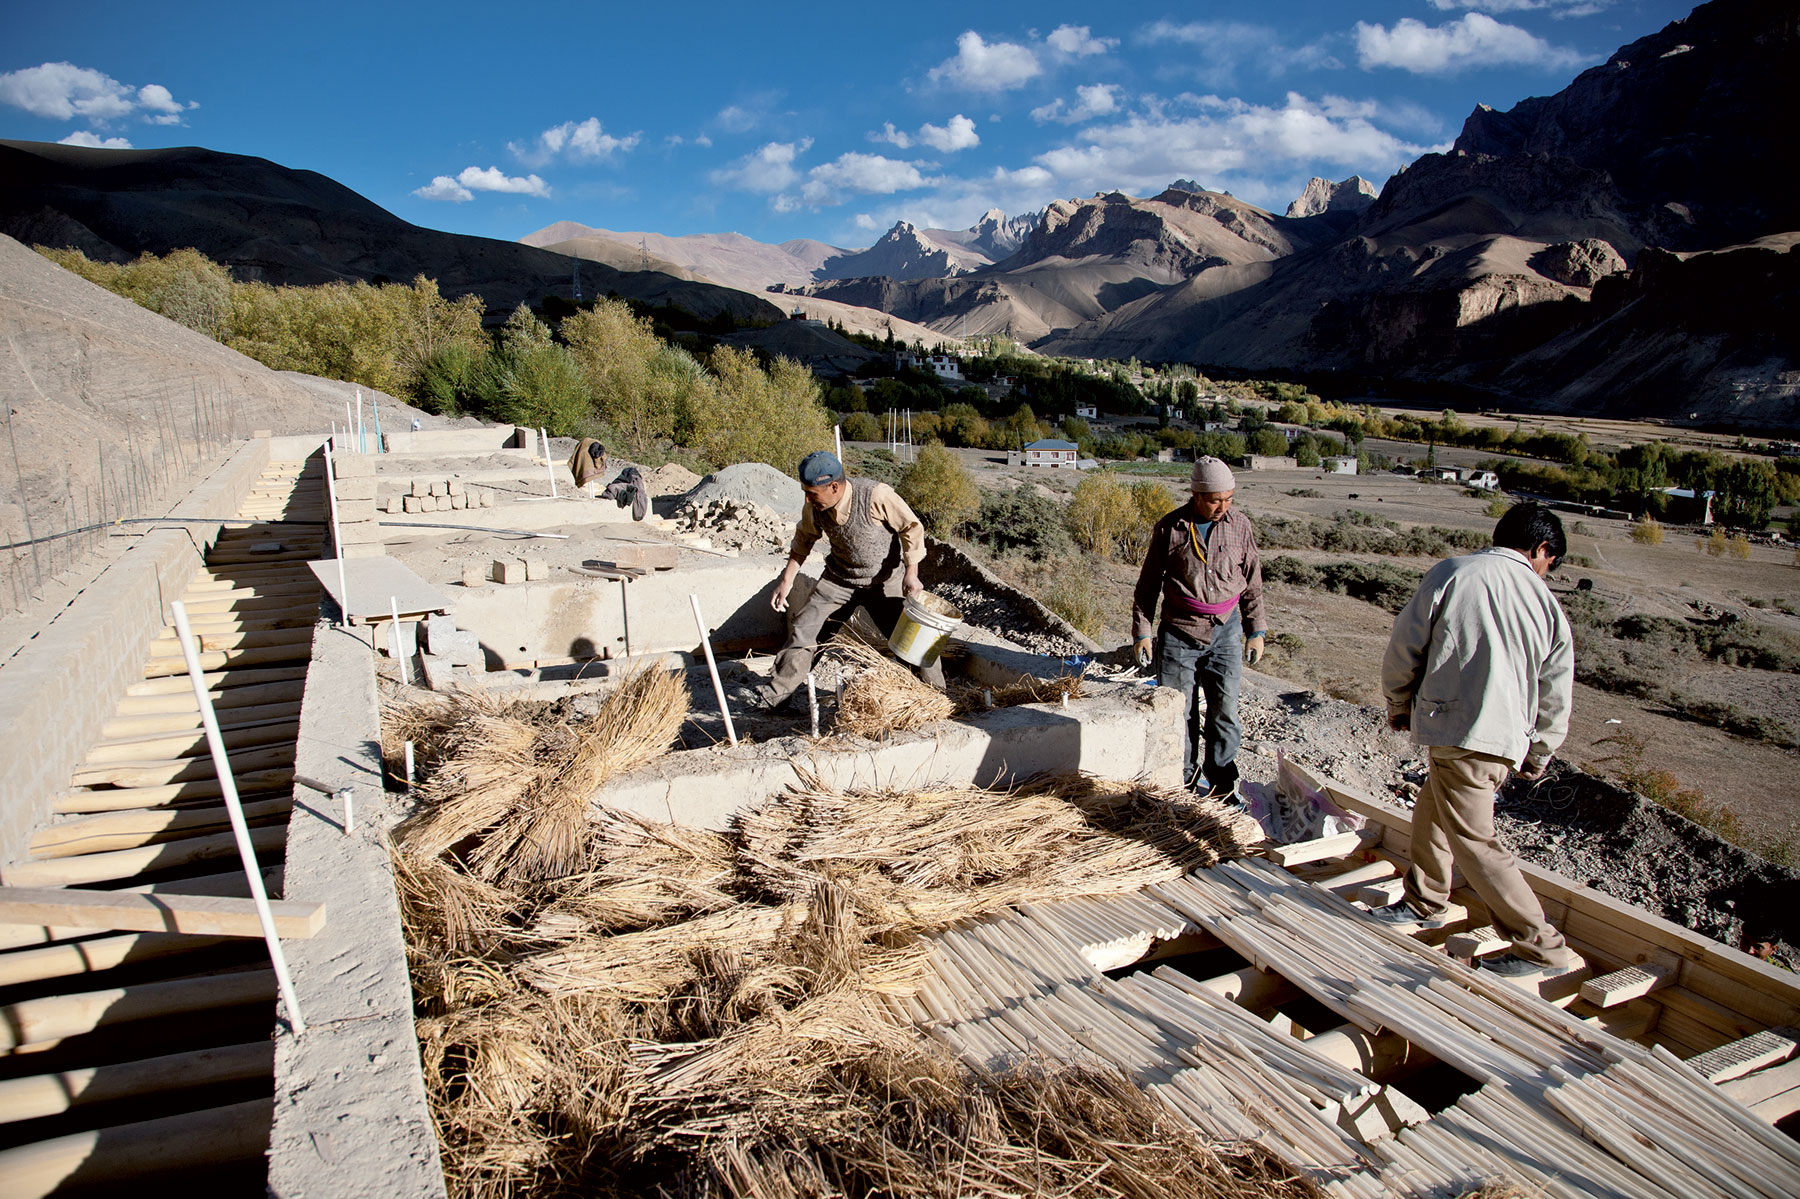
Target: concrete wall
<point x="1127" y="733"/>
<point x="351" y="1118"/>
<point x="568" y="617"/>
<point x="450" y="441"/>
<point x="57" y="692"/>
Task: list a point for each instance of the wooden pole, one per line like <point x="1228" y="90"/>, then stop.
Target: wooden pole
<point x="713" y="668"/>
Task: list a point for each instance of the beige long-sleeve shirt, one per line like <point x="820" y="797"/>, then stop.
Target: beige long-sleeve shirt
<point x="1482" y="658"/>
<point x="885" y="505"/>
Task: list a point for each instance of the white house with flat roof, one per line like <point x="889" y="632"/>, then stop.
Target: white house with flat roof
<point x="1053" y="451"/>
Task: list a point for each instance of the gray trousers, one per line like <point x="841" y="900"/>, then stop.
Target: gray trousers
<point x="1206" y="676"/>
<point x="1453" y="823"/>
<point x="822" y="615"/>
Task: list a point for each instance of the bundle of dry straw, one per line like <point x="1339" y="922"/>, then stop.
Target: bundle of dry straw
<point x="881" y="695"/>
<point x="699" y="1013"/>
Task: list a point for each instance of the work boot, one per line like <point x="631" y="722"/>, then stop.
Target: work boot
<point x="1403" y="917"/>
<point x="640" y="502"/>
<point x="1511" y="966"/>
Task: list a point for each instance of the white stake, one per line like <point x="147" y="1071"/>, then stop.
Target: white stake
<point x="349" y="425"/>
<point x="812" y="702"/>
<point x="837" y="440"/>
<point x="336" y="540"/>
<point x="362" y="446"/>
<point x="403" y="660"/>
<point x="409" y="766"/>
<point x="349" y="794"/>
<point x="713" y="667"/>
<point x="549" y="462"/>
<point x="239" y="830"/>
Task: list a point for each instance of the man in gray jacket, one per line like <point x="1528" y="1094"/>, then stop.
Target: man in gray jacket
<point x="1480" y="667"/>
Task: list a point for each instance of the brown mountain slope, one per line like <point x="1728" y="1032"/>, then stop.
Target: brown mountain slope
<point x="285" y="226"/>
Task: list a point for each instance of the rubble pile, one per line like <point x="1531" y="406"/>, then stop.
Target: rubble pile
<point x="735" y="524"/>
<point x="983" y="609"/>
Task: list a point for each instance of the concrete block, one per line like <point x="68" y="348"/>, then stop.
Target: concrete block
<point x="459" y="502"/>
<point x="473" y="576"/>
<point x="372" y="549"/>
<point x="356" y="513"/>
<point x="459" y="648"/>
<point x="440" y="488"/>
<point x="536" y="569"/>
<point x="262" y="433"/>
<point x="391" y="504"/>
<point x="508" y="570"/>
<point x="356" y="488"/>
<point x="361" y="534"/>
<point x="440" y="673"/>
<point x="353" y="466"/>
<point x="442" y="502"/>
<point x="421" y="487"/>
<point x="487" y="497"/>
<point x="412" y="503"/>
<point x="409" y="638"/>
<point x="453" y="487"/>
<point x="647" y="557"/>
<point x="435" y="627"/>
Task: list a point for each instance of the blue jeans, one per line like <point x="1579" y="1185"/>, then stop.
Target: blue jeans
<point x="1207" y="672"/>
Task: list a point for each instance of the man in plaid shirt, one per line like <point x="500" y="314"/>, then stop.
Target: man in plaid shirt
<point x="1203" y="566"/>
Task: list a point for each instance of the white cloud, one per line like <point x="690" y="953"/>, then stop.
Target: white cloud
<point x="444" y="188"/>
<point x="892" y="136"/>
<point x="767" y="170"/>
<point x="1216" y="51"/>
<point x="1475" y="40"/>
<point x="460" y="189"/>
<point x="733" y="119"/>
<point x="867" y="174"/>
<point x="1076" y="41"/>
<point x="1230" y="143"/>
<point x="1097" y="100"/>
<point x="62" y="91"/>
<point x="586" y="141"/>
<point x="82" y="137"/>
<point x="867" y="223"/>
<point x="958" y="133"/>
<point x="700" y="139"/>
<point x="980" y="66"/>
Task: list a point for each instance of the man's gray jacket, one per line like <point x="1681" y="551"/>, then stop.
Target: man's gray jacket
<point x="1482" y="658"/>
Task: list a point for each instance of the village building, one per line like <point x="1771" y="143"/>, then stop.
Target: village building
<point x="1052" y="451"/>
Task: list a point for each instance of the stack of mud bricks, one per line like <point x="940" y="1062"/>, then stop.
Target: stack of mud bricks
<point x="353" y="476"/>
<point x="440" y="496"/>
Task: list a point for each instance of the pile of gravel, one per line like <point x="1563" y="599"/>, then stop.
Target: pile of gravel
<point x="735" y="524"/>
<point x="754" y="481"/>
<point x="1004" y="617"/>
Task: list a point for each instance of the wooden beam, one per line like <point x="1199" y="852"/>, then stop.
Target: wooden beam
<point x="33" y="1022"/>
<point x="1379" y="895"/>
<point x="1629" y="983"/>
<point x="1475" y="942"/>
<point x="1320" y="849"/>
<point x="130" y="829"/>
<point x="122" y="1155"/>
<point x="125" y="863"/>
<point x="113" y="911"/>
<point x="1754" y="1052"/>
<point x="49" y="1094"/>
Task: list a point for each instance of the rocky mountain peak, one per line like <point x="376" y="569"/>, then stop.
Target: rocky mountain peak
<point x="1185" y="185"/>
<point x="1322" y="195"/>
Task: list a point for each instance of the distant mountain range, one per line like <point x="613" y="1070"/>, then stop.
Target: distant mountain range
<point x="279" y="225"/>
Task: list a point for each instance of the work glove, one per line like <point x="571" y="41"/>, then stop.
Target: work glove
<point x="1144" y="656"/>
<point x="1253" y="649"/>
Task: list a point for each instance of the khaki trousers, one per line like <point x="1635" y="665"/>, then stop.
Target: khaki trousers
<point x="1453" y="822"/>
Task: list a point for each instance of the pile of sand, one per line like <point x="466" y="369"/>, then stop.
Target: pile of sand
<point x="670" y="479"/>
<point x="754" y="481"/>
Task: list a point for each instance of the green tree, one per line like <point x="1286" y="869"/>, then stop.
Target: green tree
<point x="1306" y="451"/>
<point x="1100" y="510"/>
<point x="860" y="426"/>
<point x="1269" y="443"/>
<point x="771" y="416"/>
<point x="940" y="490"/>
<point x="614" y="350"/>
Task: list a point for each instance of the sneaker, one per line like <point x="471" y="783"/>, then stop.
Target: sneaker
<point x="1402" y="915"/>
<point x="1511" y="965"/>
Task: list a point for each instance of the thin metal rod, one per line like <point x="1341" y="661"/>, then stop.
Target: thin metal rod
<point x="625" y="612"/>
<point x="337" y="543"/>
<point x="235" y="809"/>
<point x="713" y="668"/>
<point x="549" y="462"/>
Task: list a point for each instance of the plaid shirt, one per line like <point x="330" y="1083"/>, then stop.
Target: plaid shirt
<point x="1173" y="571"/>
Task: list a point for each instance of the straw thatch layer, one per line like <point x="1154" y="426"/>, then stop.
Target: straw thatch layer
<point x="881" y="695"/>
<point x="648" y="1009"/>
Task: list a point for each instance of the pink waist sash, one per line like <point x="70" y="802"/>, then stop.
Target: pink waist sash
<point x="1196" y="607"/>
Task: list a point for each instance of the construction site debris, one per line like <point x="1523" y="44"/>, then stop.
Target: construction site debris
<point x="739" y="524"/>
<point x="881" y="695"/>
<point x="508" y="570"/>
<point x="671" y="478"/>
<point x="983" y="608"/>
<point x="753" y="481"/>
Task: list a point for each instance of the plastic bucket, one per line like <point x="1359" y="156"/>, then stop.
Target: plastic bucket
<point x="924" y="626"/>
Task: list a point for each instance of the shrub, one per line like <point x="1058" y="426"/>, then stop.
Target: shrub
<point x="1022" y="520"/>
<point x="1269" y="443"/>
<point x="771" y="416"/>
<point x="1647" y="530"/>
<point x="1305" y="493"/>
<point x="860" y="426"/>
<point x="1496" y="508"/>
<point x="1740" y="548"/>
<point x="1715" y="542"/>
<point x="537" y="386"/>
<point x="1099" y="511"/>
<point x="1075" y="597"/>
<point x="1382" y="584"/>
<point x="873" y="464"/>
<point x="447" y="378"/>
<point x="940" y="490"/>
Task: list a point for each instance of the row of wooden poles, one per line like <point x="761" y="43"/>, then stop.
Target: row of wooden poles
<point x="87" y="1099"/>
<point x="1560" y="1105"/>
<point x="171" y="431"/>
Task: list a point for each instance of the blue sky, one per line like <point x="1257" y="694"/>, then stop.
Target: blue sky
<point x="785" y="120"/>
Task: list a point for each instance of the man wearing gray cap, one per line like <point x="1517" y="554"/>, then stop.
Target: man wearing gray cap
<point x="876" y="545"/>
<point x="1202" y="564"/>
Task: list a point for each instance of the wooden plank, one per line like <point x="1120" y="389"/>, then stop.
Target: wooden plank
<point x="58" y="1017"/>
<point x="69" y="959"/>
<point x="1628" y="983"/>
<point x="1753" y="1088"/>
<point x="121" y="1155"/>
<point x="1476" y="942"/>
<point x="120" y="799"/>
<point x="1380" y="895"/>
<point x="1739" y="974"/>
<point x="124" y="863"/>
<point x="1320" y="849"/>
<point x="1734" y="1060"/>
<point x="206" y="915"/>
<point x="129" y="830"/>
<point x="49" y="1094"/>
